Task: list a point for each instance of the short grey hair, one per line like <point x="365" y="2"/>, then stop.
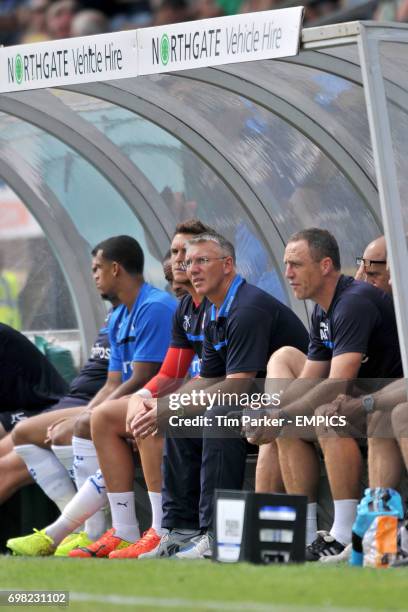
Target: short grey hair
<point x="225" y="245"/>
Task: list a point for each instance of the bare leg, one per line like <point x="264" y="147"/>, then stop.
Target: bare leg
<point x="384" y="456"/>
<point x="34" y="429"/>
<point x="268" y="478"/>
<point x="6" y="443"/>
<point x="108" y="426"/>
<point x="284" y="365"/>
<point x="399" y="418"/>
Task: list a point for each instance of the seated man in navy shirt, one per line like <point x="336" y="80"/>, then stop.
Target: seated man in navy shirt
<point x="353" y="335"/>
<point x="245" y="327"/>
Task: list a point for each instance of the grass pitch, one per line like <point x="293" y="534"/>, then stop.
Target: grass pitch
<point x="99" y="584"/>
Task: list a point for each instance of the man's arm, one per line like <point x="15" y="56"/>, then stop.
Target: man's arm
<point x="343" y="369"/>
<point x="142" y="372"/>
<point x="114" y="388"/>
<point x="113" y="381"/>
<point x="145" y="423"/>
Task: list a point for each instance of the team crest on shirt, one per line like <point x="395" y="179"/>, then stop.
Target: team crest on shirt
<point x="187" y="322"/>
<point x="324" y="330"/>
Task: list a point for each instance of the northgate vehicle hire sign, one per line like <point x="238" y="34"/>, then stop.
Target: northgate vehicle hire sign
<point x="209" y="42"/>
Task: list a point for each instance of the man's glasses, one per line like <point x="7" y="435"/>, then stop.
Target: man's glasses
<point x="201" y="261"/>
<point x="367" y="262"/>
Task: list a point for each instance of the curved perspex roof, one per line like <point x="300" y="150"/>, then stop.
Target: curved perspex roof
<point x="257" y="148"/>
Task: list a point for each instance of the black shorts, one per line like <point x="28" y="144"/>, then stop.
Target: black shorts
<point x="68" y="401"/>
<point x="11" y="418"/>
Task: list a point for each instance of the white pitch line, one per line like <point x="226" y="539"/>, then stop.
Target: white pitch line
<point x="158" y="602"/>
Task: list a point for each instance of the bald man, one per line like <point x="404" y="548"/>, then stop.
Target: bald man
<point x="373" y="266"/>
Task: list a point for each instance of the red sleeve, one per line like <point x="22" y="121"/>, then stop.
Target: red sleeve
<point x="174" y="367"/>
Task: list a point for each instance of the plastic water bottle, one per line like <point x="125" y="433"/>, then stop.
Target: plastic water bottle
<point x="375" y="530"/>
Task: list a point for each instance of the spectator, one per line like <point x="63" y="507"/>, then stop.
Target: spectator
<point x="36" y="25"/>
<point x="59" y="18"/>
<point x="89" y="22"/>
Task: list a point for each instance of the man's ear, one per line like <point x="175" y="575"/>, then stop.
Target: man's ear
<point x="326" y="265"/>
<point x="115" y="268"/>
<point x="228" y="264"/>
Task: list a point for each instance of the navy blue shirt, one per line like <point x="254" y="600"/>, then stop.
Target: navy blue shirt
<point x="360" y="319"/>
<point x="93" y="375"/>
<point x="28" y="380"/>
<point x="188" y="324"/>
<point x="249" y="326"/>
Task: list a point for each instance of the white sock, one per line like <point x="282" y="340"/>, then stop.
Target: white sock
<point x="157" y="511"/>
<point x="65" y="455"/>
<point x="344" y="517"/>
<point x="124" y="515"/>
<point x="311" y="523"/>
<point x="86" y="465"/>
<point x="85" y="459"/>
<point x="48" y="473"/>
<point x="90" y="498"/>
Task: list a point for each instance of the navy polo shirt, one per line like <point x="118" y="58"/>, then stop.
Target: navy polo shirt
<point x="93" y="375"/>
<point x="360" y="319"/>
<point x="249" y="326"/>
<point x="188" y="324"/>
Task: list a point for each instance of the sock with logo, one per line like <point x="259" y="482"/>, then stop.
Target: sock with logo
<point x="90" y="498"/>
<point x="124" y="519"/>
<point x="85" y="466"/>
<point x="65" y="455"/>
<point x="48" y="473"/>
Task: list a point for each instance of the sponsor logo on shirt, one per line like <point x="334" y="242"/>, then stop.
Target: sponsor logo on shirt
<point x="187" y="322"/>
<point x="127" y="366"/>
<point x="100" y="352"/>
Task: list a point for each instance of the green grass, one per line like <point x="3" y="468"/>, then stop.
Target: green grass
<point x="307" y="586"/>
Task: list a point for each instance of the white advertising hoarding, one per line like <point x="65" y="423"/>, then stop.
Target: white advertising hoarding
<point x="181" y="46"/>
<point x="68" y="61"/>
<point x="223" y="40"/>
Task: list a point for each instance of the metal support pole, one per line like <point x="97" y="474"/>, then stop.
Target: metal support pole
<point x="387" y="180"/>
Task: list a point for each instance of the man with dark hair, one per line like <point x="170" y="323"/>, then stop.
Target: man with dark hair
<point x="139" y="334"/>
<point x="245" y="326"/>
<point x="124" y="250"/>
<point x="321" y="244"/>
<point x="353" y="335"/>
<point x="109" y="428"/>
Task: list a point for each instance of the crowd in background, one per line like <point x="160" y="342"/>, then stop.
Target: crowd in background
<point x="26" y="21"/>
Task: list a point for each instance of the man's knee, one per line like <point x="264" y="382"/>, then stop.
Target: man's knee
<point x="286" y="355"/>
<point x="399" y="419"/>
<point x="111" y="414"/>
<point x="82" y="426"/>
<point x="20" y="433"/>
<point x="61" y="434"/>
<point x="379" y="425"/>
